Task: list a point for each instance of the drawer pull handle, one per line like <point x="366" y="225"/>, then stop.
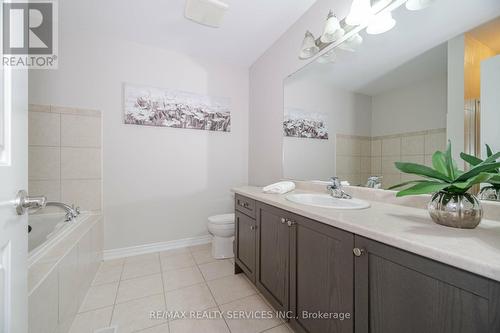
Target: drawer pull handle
<point x="244" y="204"/>
<point x="358" y="252"/>
<point x="253" y="227"/>
<point x="291" y="223"/>
<point x="283" y="220"/>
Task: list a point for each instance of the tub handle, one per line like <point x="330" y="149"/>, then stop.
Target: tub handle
<point x="24" y="202"/>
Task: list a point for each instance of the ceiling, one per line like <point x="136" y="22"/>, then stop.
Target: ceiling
<point x="415" y="34"/>
<point x="488" y="34"/>
<point x="250" y="27"/>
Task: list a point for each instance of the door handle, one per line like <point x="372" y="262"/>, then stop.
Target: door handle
<point x="358" y="252"/>
<point x="283" y="220"/>
<point x="291" y="223"/>
<point x="24" y="202"/>
<point x="253" y="227"/>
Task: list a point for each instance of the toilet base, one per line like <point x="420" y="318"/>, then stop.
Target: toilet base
<point x="222" y="247"/>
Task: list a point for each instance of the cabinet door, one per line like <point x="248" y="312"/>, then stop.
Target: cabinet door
<point x="273" y="255"/>
<point x="321" y="280"/>
<point x="397" y="291"/>
<point x="244" y="246"/>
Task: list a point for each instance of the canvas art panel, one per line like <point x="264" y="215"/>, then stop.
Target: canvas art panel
<point x="172" y="108"/>
<point x="301" y="124"/>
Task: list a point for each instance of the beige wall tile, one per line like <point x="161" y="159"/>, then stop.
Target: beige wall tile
<point x="376" y="148"/>
<point x="391" y="147"/>
<point x="348" y="146"/>
<point x="44" y="129"/>
<point x="388" y="164"/>
<point x="348" y="164"/>
<point x="38" y="108"/>
<point x="390" y="179"/>
<point x="80" y="131"/>
<point x="80" y="163"/>
<point x="428" y="160"/>
<point x="83" y="193"/>
<point x="434" y="142"/>
<point x="376" y="165"/>
<point x="75" y="111"/>
<point x="365" y="146"/>
<point x="412" y="145"/>
<point x="365" y="164"/>
<point x="44" y="163"/>
<point x="49" y="188"/>
<point x="407" y="177"/>
<point x="43" y="306"/>
<point x="419" y="159"/>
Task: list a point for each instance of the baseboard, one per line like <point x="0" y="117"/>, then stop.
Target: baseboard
<point x="154" y="247"/>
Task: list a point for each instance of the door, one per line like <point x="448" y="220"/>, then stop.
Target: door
<point x="397" y="291"/>
<point x="244" y="251"/>
<point x="321" y="278"/>
<point x="13" y="177"/>
<point x="490" y="103"/>
<point x="273" y="234"/>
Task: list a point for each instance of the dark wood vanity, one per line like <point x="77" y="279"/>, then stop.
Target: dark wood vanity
<point x="299" y="265"/>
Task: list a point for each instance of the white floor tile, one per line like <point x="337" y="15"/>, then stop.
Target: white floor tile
<point x="177" y="261"/>
<point x="279" y="329"/>
<point x="157" y="329"/>
<point x="88" y="322"/>
<point x="139" y="287"/>
<point x="249" y="304"/>
<point x="137" y="268"/>
<point x="108" y="274"/>
<point x="99" y="297"/>
<point x="199" y="325"/>
<point x="135" y="315"/>
<point x="180" y="278"/>
<point x="218" y="269"/>
<point x="193" y="298"/>
<point x="201" y="247"/>
<point x="230" y="288"/>
<point x="203" y="256"/>
<point x="174" y="252"/>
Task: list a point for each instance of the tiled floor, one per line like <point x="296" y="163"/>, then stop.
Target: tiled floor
<point x="126" y="291"/>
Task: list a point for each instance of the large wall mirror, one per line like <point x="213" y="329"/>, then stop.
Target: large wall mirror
<point x="352" y="113"/>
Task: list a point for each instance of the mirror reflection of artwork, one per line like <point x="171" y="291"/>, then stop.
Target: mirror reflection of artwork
<point x="171" y="108"/>
<point x="301" y="124"/>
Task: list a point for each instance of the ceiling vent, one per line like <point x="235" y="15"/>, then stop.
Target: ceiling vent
<point x="206" y="12"/>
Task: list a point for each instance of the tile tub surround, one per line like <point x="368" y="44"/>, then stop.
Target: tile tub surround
<point x="65" y="155"/>
<point x="126" y="290"/>
<point x="355" y="162"/>
<point x="60" y="278"/>
<point x="410" y="229"/>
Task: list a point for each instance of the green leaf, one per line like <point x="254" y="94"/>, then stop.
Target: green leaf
<point x="477" y="170"/>
<point x="478" y="179"/>
<point x="407" y="183"/>
<point x="472" y="160"/>
<point x="422" y="170"/>
<point x="450" y="164"/>
<point x="423" y="188"/>
<point x="439" y="163"/>
<point x="488" y="151"/>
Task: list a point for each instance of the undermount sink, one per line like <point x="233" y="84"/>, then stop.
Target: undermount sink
<point x="326" y="201"/>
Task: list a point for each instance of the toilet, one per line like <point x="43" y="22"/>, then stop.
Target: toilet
<point x="221" y="227"/>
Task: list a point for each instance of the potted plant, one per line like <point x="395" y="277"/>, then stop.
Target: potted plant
<point x="491" y="192"/>
<point x="451" y="204"/>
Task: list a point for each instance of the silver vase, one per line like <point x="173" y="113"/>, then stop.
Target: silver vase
<point x="490" y="193"/>
<point x="462" y="211"/>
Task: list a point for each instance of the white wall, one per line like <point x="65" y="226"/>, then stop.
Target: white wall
<point x="159" y="184"/>
<point x="420" y="106"/>
<point x="490" y="104"/>
<point x="347" y="113"/>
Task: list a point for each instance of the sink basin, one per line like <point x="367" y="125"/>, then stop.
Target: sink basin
<point x="326" y="201"/>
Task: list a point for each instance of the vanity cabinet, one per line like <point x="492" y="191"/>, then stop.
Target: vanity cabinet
<point x="396" y="291"/>
<point x="304" y="266"/>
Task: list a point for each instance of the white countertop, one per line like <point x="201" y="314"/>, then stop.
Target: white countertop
<point x="407" y="228"/>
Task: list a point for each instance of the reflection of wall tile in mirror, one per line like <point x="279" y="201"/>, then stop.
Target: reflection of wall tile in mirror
<point x="84" y="193"/>
<point x="38" y="108"/>
<point x="376" y="147"/>
<point x="43" y="129"/>
<point x="435" y="141"/>
<point x="80" y="131"/>
<point x="419" y="159"/>
<point x="376" y="166"/>
<point x="365" y="165"/>
<point x="388" y="164"/>
<point x="390" y="179"/>
<point x="365" y="147"/>
<point x="428" y="160"/>
<point x="80" y="163"/>
<point x="44" y="163"/>
<point x="348" y="164"/>
<point x="412" y="145"/>
<point x="391" y="146"/>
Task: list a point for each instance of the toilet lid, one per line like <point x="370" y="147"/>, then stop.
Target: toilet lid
<point x="222" y="219"/>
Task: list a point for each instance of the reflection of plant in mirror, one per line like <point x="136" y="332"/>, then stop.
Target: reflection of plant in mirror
<point x="445" y="176"/>
<point x="473" y="161"/>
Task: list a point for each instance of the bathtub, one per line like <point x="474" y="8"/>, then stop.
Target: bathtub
<point x="63" y="259"/>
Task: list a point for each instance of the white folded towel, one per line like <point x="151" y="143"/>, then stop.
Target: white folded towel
<point x="279" y="187"/>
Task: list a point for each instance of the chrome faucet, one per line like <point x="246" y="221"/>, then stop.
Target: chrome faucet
<point x="374" y="182"/>
<point x="335" y="189"/>
<point x="71" y="211"/>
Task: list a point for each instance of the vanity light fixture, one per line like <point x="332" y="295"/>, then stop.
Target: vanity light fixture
<point x="360" y="13"/>
<point x="309" y="47"/>
<point x="381" y="23"/>
<point x="418" y="4"/>
<point x="332" y="31"/>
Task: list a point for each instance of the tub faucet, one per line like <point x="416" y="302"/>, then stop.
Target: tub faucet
<point x="374" y="182"/>
<point x="71" y="211"/>
<point x="335" y="189"/>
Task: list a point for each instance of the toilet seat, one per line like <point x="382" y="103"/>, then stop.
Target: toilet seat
<point x="223" y="219"/>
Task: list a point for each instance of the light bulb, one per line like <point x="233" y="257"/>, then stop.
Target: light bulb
<point x="309" y="47"/>
<point x="418" y="4"/>
<point x="352" y="43"/>
<point x="332" y="31"/>
<point x="381" y="23"/>
<point x="360" y="12"/>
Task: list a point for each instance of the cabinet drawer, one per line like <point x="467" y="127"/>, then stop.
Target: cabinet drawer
<point x="245" y="205"/>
